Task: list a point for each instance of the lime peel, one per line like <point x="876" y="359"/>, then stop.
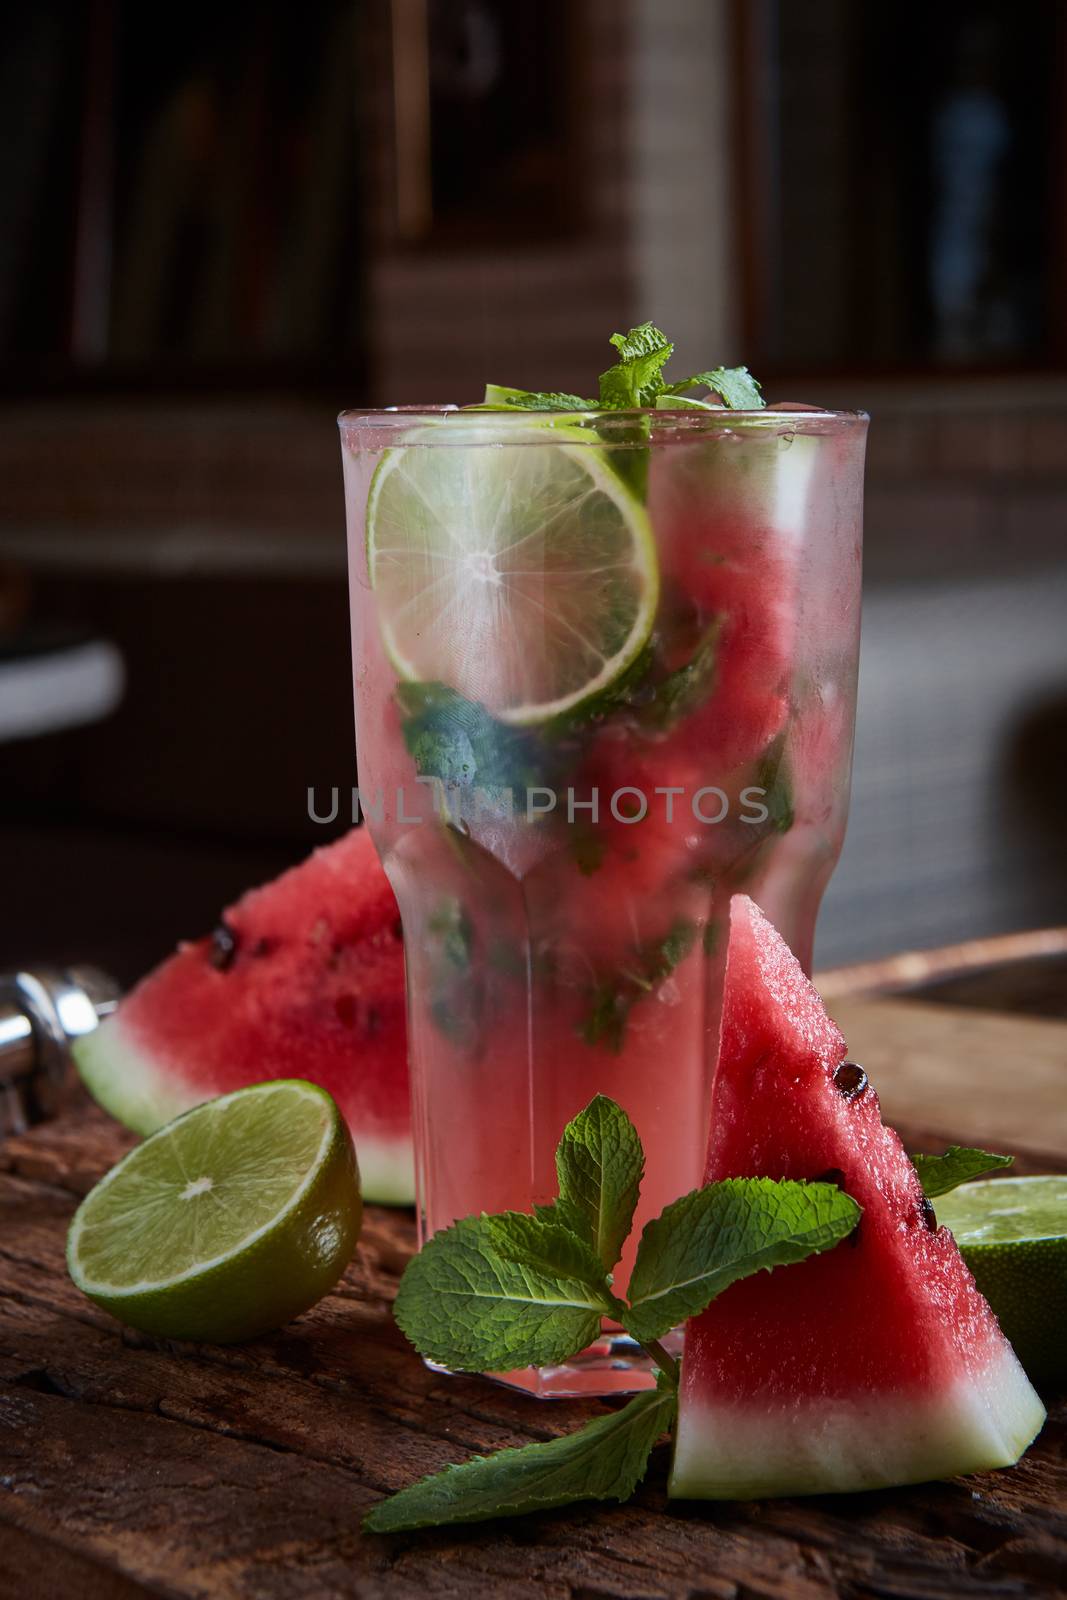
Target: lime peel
<point x="1012" y="1233"/>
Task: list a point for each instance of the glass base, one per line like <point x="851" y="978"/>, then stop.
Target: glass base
<point x="613" y="1365"/>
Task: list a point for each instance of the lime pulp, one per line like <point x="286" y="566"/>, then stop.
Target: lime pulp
<point x="521" y="574"/>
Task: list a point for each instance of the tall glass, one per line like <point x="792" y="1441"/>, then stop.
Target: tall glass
<point x="605" y="673"/>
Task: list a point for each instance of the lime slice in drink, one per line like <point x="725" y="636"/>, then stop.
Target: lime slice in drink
<point x="1012" y="1233"/>
<point x="226" y="1223"/>
<point x="523" y="575"/>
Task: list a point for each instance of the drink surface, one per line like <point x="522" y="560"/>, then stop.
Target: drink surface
<point x="600" y="685"/>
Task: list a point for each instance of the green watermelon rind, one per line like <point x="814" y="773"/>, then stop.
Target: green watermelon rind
<point x="881" y="1440"/>
<point x="127" y="1083"/>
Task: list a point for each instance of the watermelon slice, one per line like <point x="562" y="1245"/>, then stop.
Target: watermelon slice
<point x="303" y="978"/>
<point x="877" y="1363"/>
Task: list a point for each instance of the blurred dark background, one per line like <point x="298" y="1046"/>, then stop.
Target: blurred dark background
<point x="222" y="223"/>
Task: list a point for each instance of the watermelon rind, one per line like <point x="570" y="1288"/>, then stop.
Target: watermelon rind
<point x="123" y="1080"/>
<point x="802" y="1447"/>
<point x="127" y="1082"/>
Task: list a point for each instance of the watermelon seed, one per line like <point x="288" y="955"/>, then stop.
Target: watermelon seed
<point x="851" y="1079"/>
<point x="223" y="948"/>
<point x="929" y="1215"/>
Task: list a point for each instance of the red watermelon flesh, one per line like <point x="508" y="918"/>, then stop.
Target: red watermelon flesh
<point x="877" y="1363"/>
<point x="304" y="978"/>
<point x="728" y="531"/>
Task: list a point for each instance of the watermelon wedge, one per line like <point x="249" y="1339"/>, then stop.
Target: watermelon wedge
<point x="303" y="978"/>
<point x="877" y="1363"/>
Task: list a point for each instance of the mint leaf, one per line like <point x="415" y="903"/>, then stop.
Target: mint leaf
<point x="614" y="998"/>
<point x="772" y="776"/>
<point x="636" y="378"/>
<point x="548" y="1244"/>
<point x="457" y="740"/>
<point x="688" y="686"/>
<point x="600" y="1165"/>
<point x="463" y="1303"/>
<point x="568" y="1215"/>
<point x="735" y="386"/>
<point x="456" y="989"/>
<point x="605" y="1460"/>
<point x="713" y="1236"/>
<point x="960" y="1163"/>
<point x="499" y="398"/>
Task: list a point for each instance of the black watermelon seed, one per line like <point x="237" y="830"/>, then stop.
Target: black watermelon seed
<point x="398" y="929"/>
<point x="929" y="1215"/>
<point x="851" y="1079"/>
<point x="223" y="949"/>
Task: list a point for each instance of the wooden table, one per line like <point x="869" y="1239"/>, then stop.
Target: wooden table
<point x="131" y="1468"/>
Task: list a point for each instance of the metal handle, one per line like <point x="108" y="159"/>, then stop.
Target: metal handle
<point x="42" y="1013"/>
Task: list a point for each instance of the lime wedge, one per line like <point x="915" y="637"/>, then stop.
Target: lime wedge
<point x="523" y="575"/>
<point x="226" y="1223"/>
<point x="1012" y="1233"/>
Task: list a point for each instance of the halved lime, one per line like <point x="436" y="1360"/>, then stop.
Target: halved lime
<point x="521" y="574"/>
<point x="226" y="1223"/>
<point x="1012" y="1233"/>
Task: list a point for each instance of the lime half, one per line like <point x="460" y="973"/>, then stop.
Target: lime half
<point x="226" y="1223"/>
<point x="523" y="575"/>
<point x="1012" y="1233"/>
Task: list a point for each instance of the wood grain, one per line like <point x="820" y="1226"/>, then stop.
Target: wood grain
<point x="133" y="1468"/>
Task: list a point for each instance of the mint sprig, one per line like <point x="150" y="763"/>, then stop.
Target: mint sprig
<point x="637" y="380"/>
<point x="492" y="1293"/>
<point x="637" y="376"/>
<point x="959" y="1164"/>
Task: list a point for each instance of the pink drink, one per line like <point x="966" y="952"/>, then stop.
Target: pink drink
<point x="556" y="953"/>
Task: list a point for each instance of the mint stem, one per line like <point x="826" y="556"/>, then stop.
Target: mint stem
<point x="667" y="1364"/>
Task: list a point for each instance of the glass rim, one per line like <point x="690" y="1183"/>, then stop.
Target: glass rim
<point x="683" y="419"/>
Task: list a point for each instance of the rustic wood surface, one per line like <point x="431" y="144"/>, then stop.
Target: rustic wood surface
<point x="133" y="1468"/>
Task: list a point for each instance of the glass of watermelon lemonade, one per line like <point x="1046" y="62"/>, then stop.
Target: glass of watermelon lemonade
<point x="605" y="672"/>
